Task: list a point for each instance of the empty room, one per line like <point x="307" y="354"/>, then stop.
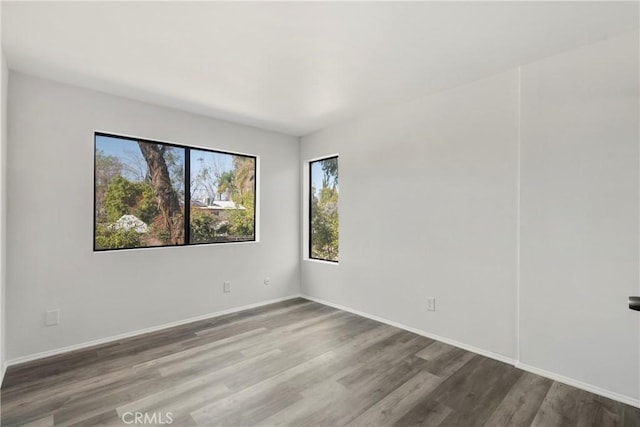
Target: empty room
<point x="320" y="213"/>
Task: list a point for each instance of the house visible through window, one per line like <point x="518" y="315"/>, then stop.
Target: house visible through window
<point x="323" y="209"/>
<point x="142" y="188"/>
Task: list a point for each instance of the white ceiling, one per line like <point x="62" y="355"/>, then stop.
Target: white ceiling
<point x="292" y="67"/>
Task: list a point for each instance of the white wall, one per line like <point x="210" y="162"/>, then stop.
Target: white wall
<point x="49" y="239"/>
<point x="579" y="222"/>
<point x="429" y="206"/>
<point x="4" y="77"/>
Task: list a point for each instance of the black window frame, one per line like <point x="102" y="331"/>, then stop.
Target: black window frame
<point x="309" y="230"/>
<point x="187" y="191"/>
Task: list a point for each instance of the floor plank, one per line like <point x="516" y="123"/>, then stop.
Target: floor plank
<point x="521" y="404"/>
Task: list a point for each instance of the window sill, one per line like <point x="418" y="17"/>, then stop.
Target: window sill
<point x="321" y="261"/>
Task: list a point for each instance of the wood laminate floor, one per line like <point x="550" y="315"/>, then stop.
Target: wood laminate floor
<point x="295" y="363"/>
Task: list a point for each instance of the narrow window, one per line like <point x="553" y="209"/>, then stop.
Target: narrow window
<point x="141" y="190"/>
<point x="323" y="209"/>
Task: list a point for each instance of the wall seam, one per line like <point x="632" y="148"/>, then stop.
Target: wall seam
<point x="518" y="208"/>
<point x="300" y="214"/>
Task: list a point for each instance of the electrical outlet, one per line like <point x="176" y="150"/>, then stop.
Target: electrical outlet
<point x="267" y="281"/>
<point x="431" y="304"/>
<point x="52" y="317"/>
<point x="226" y="287"/>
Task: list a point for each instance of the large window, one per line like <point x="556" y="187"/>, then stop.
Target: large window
<point x="323" y="209"/>
<point x="142" y="188"/>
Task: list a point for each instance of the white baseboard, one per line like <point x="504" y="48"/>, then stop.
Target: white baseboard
<point x="551" y="375"/>
<point x="579" y="384"/>
<point x="57" y="351"/>
<point x="454" y="343"/>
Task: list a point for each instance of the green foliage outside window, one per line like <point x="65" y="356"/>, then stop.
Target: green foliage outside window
<point x="324" y="210"/>
<point x="115" y="239"/>
<point x="124" y="197"/>
<point x="202" y="227"/>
